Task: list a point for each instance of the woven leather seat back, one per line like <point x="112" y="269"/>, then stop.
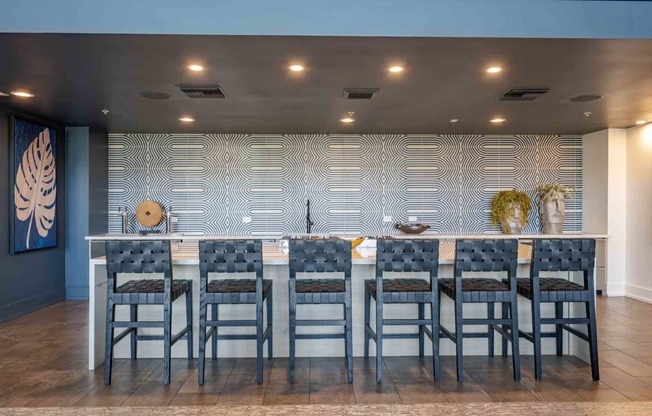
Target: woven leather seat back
<point x="486" y="255"/>
<point x="320" y="256"/>
<point x="231" y="256"/>
<point x="556" y="255"/>
<point x="138" y="257"/>
<point x="407" y="255"/>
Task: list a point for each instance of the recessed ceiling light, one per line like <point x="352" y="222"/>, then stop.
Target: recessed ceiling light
<point x="25" y="94"/>
<point x="639" y="122"/>
<point x="497" y="120"/>
<point x="196" y="68"/>
<point x="297" y="68"/>
<point x="396" y="69"/>
<point x="349" y="118"/>
<point x="453" y="120"/>
<point x="494" y="69"/>
<point x="187" y="119"/>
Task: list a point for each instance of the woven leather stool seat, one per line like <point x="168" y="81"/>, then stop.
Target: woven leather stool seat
<point x="553" y="290"/>
<point x="236" y="286"/>
<point x="318" y="291"/>
<point x="150" y="289"/>
<point x="320" y="285"/>
<point x="402" y="290"/>
<point x="235" y="291"/>
<point x="475" y="284"/>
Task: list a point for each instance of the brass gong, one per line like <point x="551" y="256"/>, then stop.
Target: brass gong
<point x="149" y="213"/>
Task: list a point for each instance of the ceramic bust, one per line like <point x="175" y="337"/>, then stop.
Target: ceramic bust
<point x="552" y="211"/>
<point x="511" y="224"/>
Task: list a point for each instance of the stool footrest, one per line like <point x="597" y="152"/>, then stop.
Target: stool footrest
<point x="321" y="322"/>
<point x="485" y="321"/>
<point x="234" y="322"/>
<point x="236" y="337"/>
<point x="320" y="336"/>
<point x="141" y="324"/>
<point x="407" y="322"/>
<point x="567" y="321"/>
<point x="451" y="335"/>
<point x="150" y="338"/>
<point x="530" y="337"/>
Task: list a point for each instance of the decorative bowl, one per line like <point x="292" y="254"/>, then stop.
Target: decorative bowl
<point x="411" y="228"/>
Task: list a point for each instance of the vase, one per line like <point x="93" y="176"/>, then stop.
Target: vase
<point x="552" y="212"/>
<point x="511" y="222"/>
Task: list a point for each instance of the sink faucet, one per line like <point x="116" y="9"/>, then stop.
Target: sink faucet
<point x="168" y="220"/>
<point x="309" y="222"/>
<point x="125" y="220"/>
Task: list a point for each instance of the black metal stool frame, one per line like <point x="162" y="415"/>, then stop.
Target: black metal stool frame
<point x="321" y="256"/>
<point x="409" y="256"/>
<point x="561" y="255"/>
<point x="144" y="257"/>
<point x="233" y="256"/>
<point x="499" y="255"/>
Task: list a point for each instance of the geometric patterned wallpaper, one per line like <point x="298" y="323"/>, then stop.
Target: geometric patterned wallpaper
<point x="212" y="181"/>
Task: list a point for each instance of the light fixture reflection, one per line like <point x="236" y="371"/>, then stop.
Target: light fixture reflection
<point x="23" y="94"/>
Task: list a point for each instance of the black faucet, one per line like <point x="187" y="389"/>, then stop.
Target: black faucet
<point x="309" y="222"/>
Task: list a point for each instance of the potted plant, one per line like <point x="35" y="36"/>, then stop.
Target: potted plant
<point x="510" y="209"/>
<point x="552" y="207"/>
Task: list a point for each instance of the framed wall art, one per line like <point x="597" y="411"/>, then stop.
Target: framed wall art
<point x="33" y="186"/>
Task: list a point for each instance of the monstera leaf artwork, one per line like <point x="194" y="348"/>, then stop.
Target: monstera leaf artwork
<point x="35" y="188"/>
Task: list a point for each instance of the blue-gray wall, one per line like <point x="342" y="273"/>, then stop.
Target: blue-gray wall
<point x="31" y="280"/>
<point x="420" y="18"/>
<point x="87" y="184"/>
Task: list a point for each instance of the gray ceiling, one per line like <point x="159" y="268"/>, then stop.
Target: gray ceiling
<point x="74" y="77"/>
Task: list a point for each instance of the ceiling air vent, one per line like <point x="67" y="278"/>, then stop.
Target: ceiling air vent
<point x="202" y="91"/>
<point x="523" y="94"/>
<point x="359" y="93"/>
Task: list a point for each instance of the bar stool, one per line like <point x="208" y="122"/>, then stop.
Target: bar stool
<point x="144" y="257"/>
<point x="233" y="256"/>
<point x="561" y="255"/>
<point x="484" y="256"/>
<point x="404" y="256"/>
<point x="320" y="256"/>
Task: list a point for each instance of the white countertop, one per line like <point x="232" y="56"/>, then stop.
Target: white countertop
<point x="194" y="237"/>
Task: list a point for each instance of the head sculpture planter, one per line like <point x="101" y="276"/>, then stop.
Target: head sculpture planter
<point x="552" y="208"/>
<point x="510" y="209"/>
<point x="511" y="223"/>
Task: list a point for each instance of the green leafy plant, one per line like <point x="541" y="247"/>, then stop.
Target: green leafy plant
<point x="553" y="191"/>
<point x="504" y="200"/>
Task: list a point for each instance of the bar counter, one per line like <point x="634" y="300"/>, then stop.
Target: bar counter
<point x="275" y="267"/>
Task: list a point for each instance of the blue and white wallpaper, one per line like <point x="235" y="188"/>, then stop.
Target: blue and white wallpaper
<point x="212" y="181"/>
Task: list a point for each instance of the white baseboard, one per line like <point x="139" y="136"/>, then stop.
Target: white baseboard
<point x="615" y="289"/>
<point x="639" y="293"/>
